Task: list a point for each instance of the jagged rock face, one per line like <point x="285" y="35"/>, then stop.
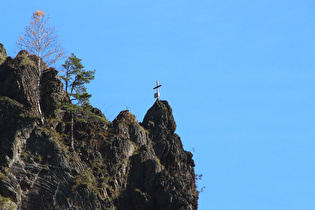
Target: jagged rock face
<point x="18" y="79"/>
<point x="17" y="82"/>
<point x="3" y="54"/>
<point x="115" y="165"/>
<point x="51" y="92"/>
<point x="159" y="117"/>
<point x="169" y="150"/>
<point x="3" y="51"/>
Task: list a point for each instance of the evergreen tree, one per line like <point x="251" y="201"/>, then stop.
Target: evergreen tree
<point x="75" y="78"/>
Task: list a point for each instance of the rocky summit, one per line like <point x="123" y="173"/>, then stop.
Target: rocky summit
<point x="122" y="164"/>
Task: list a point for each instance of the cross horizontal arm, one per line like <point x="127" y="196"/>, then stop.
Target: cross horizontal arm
<point x="157" y="87"/>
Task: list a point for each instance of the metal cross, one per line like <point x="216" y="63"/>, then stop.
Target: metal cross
<point x="157" y="94"/>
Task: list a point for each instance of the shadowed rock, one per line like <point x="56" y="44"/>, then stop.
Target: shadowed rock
<point x="122" y="164"/>
<point x="159" y="117"/>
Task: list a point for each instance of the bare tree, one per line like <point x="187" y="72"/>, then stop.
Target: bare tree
<point x="41" y="40"/>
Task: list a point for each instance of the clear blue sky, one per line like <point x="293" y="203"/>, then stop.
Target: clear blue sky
<point x="239" y="76"/>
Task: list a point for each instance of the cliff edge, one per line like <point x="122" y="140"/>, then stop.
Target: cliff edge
<point x="122" y="164"/>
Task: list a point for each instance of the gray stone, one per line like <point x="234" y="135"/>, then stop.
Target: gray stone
<point x="120" y="165"/>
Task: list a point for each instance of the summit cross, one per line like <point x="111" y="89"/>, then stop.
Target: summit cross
<point x="157" y="94"/>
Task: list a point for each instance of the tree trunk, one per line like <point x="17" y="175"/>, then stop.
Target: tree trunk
<point x="71" y="131"/>
<point x="36" y="92"/>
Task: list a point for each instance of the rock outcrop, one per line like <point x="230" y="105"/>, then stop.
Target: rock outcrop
<point x="122" y="164"/>
<point x="3" y="54"/>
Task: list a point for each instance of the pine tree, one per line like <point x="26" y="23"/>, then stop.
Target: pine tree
<point x="75" y="78"/>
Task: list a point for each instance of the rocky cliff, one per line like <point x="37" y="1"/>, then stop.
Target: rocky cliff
<point x="122" y="164"/>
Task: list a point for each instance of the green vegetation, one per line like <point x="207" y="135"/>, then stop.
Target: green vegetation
<point x="75" y="79"/>
<point x="86" y="179"/>
<point x="97" y="179"/>
<point x="4" y="201"/>
<point x="16" y="110"/>
<point x="102" y="119"/>
<point x="129" y="119"/>
<point x="40" y="158"/>
<point x="17" y="106"/>
<point x="81" y="120"/>
<point x="26" y="61"/>
<point x="24" y="154"/>
<point x="73" y="159"/>
<point x="3" y="54"/>
<point x="2" y="176"/>
<point x="2" y="59"/>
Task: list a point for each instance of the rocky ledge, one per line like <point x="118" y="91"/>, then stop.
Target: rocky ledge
<point x="122" y="164"/>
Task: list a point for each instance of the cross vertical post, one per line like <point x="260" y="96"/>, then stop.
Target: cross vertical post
<point x="157" y="94"/>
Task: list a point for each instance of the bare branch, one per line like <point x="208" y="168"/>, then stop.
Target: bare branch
<point x="41" y="40"/>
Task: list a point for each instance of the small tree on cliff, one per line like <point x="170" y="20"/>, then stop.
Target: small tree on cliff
<point x="75" y="78"/>
<point x="41" y="40"/>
